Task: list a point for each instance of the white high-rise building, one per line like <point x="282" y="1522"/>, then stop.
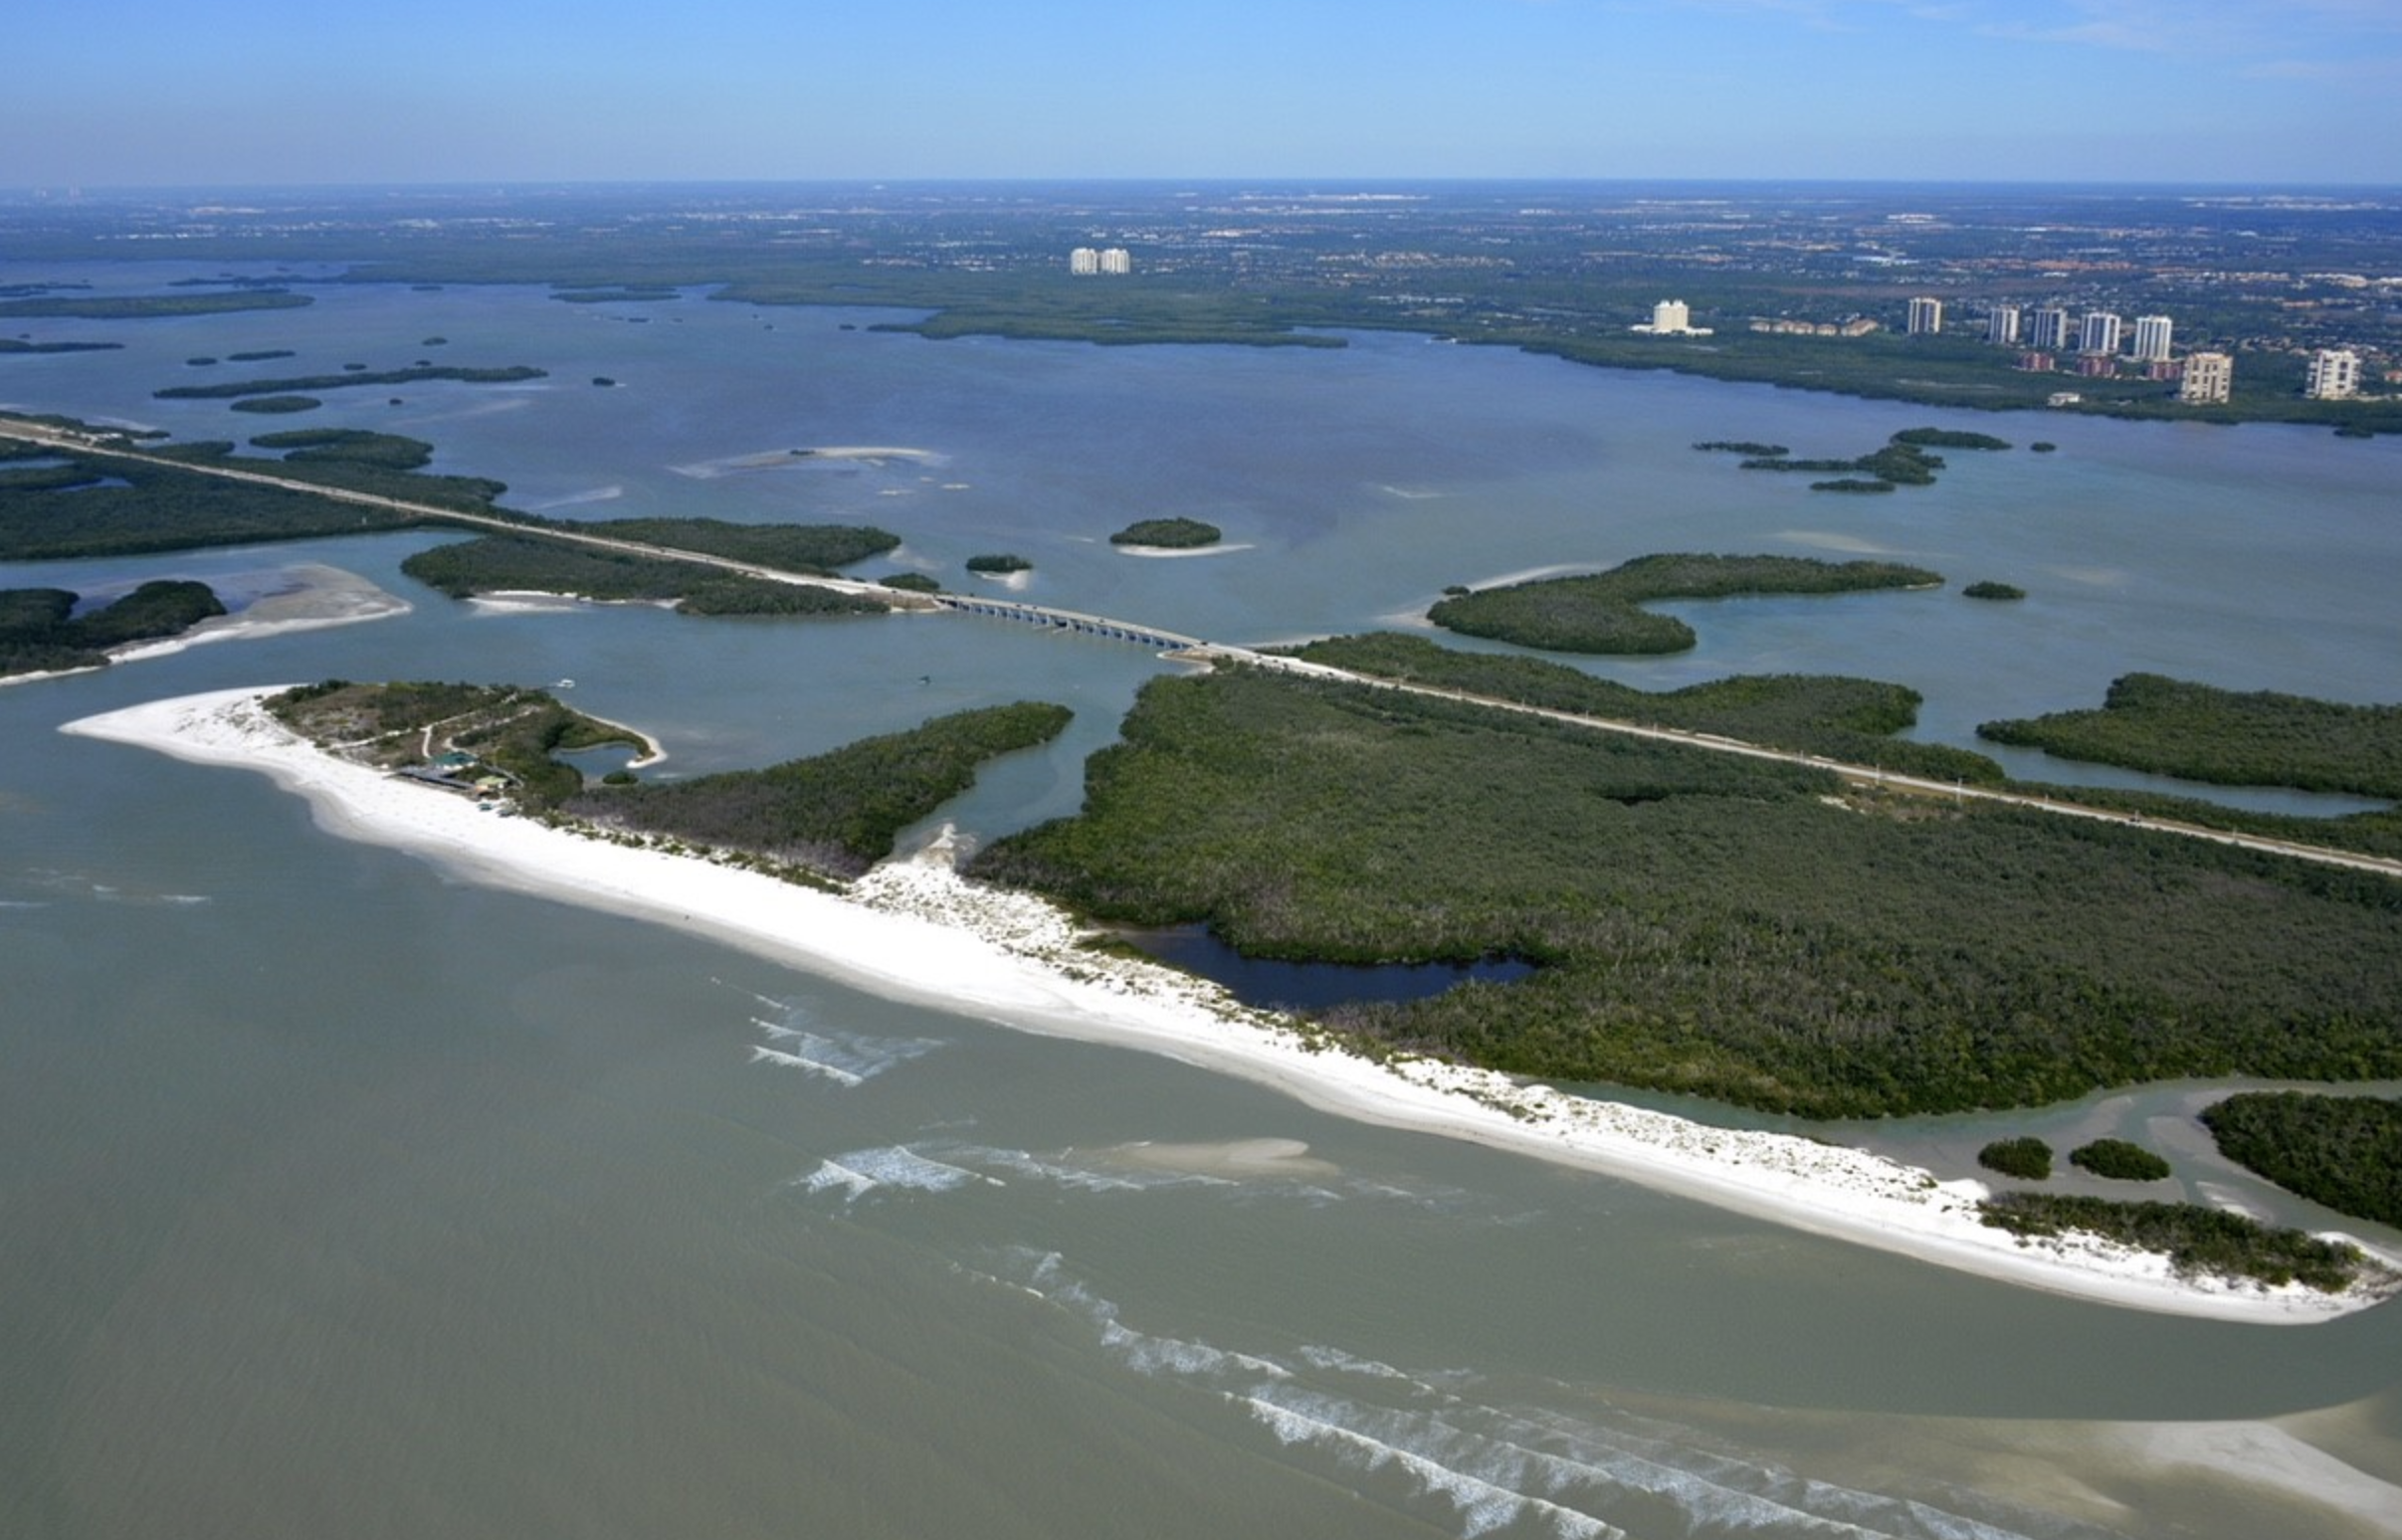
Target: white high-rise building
<point x="1672" y="319"/>
<point x="2334" y="375"/>
<point x="2050" y="332"/>
<point x="2098" y="333"/>
<point x="1926" y="317"/>
<point x="2001" y="325"/>
<point x="2151" y="338"/>
<point x="2206" y="379"/>
<point x="1084" y="262"/>
<point x="1116" y="261"/>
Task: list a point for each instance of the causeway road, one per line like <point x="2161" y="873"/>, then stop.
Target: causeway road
<point x="1194" y="650"/>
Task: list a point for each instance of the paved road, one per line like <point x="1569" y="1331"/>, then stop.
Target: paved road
<point x="1211" y="652"/>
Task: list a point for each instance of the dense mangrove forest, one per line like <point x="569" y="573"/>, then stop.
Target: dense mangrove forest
<point x="1752" y="932"/>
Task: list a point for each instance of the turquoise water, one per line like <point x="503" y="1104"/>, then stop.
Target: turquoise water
<point x="347" y="1197"/>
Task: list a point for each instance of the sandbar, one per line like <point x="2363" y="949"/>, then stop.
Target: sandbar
<point x="914" y="929"/>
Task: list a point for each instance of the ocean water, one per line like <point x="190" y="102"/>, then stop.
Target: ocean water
<point x="345" y="1196"/>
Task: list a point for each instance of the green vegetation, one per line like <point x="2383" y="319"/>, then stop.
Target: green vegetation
<point x="631" y="294"/>
<point x="2118" y="1160"/>
<point x="1745" y="446"/>
<point x="2341" y="1151"/>
<point x="527" y="563"/>
<point x="154" y="307"/>
<point x="835" y="814"/>
<point x="2375" y="833"/>
<point x="2199" y="732"/>
<point x="277" y="405"/>
<point x="807" y="548"/>
<point x="1600" y="613"/>
<point x="2199" y="1242"/>
<point x="1898" y="464"/>
<point x="1175" y="534"/>
<point x="1712" y="925"/>
<point x="347" y="447"/>
<point x="36" y="635"/>
<point x="910" y="583"/>
<point x="1841" y="719"/>
<point x="999" y="564"/>
<point x="2042" y="447"/>
<point x="409" y="725"/>
<point x="1991" y="590"/>
<point x="20" y="346"/>
<point x="353" y="375"/>
<point x="1949" y="438"/>
<point x="2028" y="1158"/>
<point x="258" y="355"/>
<point x="164" y="507"/>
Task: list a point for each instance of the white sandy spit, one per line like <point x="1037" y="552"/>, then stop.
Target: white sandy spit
<point x="915" y="930"/>
<point x="1181" y="552"/>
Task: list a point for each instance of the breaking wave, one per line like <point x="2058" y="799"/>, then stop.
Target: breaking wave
<point x="861" y="1172"/>
<point x="848" y="1058"/>
<point x="1501" y="1464"/>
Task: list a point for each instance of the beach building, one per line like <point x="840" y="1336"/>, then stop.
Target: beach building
<point x="2001" y="325"/>
<point x="2098" y="332"/>
<point x="1672" y="319"/>
<point x="1925" y="316"/>
<point x="2334" y="375"/>
<point x="1116" y="261"/>
<point x="2151" y="338"/>
<point x="2048" y="331"/>
<point x="2208" y="376"/>
<point x="1084" y="262"/>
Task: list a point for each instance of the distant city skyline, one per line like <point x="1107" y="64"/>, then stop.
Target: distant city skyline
<point x="219" y="92"/>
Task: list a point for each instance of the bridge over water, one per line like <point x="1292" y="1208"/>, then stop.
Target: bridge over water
<point x="1067" y="620"/>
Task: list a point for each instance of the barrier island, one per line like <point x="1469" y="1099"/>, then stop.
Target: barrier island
<point x="1753" y="932"/>
<point x="1601" y="613"/>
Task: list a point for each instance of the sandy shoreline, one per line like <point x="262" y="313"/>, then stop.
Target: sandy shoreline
<point x="1012" y="959"/>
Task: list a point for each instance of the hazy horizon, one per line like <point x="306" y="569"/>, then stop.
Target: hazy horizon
<point x="2106" y="92"/>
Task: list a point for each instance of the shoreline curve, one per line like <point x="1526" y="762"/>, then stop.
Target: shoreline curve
<point x="1013" y="959"/>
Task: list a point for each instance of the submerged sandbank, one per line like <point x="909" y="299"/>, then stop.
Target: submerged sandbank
<point x="915" y="930"/>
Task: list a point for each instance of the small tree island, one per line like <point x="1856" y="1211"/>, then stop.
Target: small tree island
<point x="1171" y="534"/>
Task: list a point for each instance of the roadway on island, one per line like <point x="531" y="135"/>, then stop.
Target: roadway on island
<point x="1194" y="649"/>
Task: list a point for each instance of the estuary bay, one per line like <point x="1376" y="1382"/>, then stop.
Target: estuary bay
<point x="359" y="1197"/>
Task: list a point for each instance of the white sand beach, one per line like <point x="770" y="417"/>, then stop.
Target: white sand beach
<point x="914" y="929"/>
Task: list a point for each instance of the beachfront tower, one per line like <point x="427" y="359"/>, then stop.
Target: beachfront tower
<point x="1084" y="262"/>
<point x="2151" y="338"/>
<point x="2001" y="325"/>
<point x="2334" y="375"/>
<point x="2050" y="329"/>
<point x="2207" y="379"/>
<point x="1926" y="317"/>
<point x="1672" y="319"/>
<point x="2098" y="333"/>
<point x="1114" y="261"/>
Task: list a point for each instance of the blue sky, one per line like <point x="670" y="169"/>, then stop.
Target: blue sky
<point x="229" y="91"/>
